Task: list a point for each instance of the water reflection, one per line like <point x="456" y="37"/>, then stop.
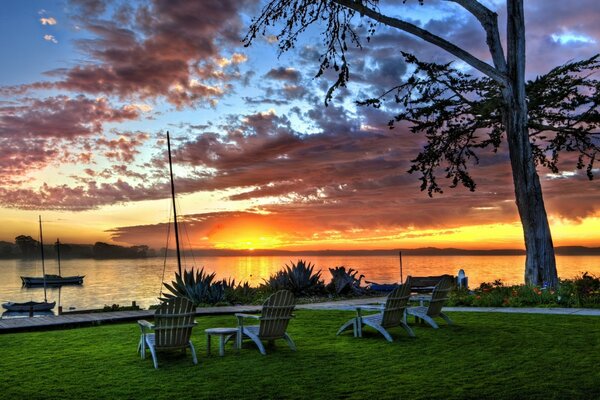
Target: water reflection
<point x="120" y="282"/>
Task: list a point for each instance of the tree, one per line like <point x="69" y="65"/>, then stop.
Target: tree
<point x="501" y="97"/>
<point x="27" y="245"/>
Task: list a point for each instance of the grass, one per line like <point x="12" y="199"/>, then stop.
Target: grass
<point x="496" y="356"/>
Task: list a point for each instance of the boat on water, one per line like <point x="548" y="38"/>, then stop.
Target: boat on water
<point x="33" y="305"/>
<point x="29" y="306"/>
<point x="53" y="279"/>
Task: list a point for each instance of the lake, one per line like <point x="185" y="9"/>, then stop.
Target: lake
<point x="120" y="282"/>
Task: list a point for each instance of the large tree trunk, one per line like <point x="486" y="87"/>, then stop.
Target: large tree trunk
<point x="540" y="265"/>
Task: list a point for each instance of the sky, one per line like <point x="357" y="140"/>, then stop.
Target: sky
<point x="89" y="88"/>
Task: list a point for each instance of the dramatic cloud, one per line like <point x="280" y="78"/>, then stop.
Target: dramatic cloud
<point x="90" y="196"/>
<point x="36" y="133"/>
<point x="300" y="171"/>
<point x="60" y="116"/>
<point x="170" y="49"/>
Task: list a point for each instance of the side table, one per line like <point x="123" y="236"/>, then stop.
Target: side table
<point x="224" y="334"/>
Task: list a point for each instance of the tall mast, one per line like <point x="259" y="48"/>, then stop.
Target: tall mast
<point x="174" y="208"/>
<point x="42" y="250"/>
<point x="58" y="255"/>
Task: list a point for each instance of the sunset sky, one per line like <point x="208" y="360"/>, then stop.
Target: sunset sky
<point x="89" y="88"/>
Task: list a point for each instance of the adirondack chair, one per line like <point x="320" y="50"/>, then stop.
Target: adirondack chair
<point x="173" y="323"/>
<point x="434" y="309"/>
<point x="391" y="315"/>
<point x="274" y="319"/>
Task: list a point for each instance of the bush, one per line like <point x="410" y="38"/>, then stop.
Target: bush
<point x="583" y="291"/>
<point x="240" y="294"/>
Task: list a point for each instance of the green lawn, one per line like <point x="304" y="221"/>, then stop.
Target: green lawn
<point x="499" y="356"/>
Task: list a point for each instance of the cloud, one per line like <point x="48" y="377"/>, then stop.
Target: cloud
<point x="61" y="116"/>
<point x="82" y="197"/>
<point x="48" y="21"/>
<point x="50" y="38"/>
<point x="35" y="133"/>
<point x="321" y="170"/>
<point x="171" y="50"/>
<point x="284" y="74"/>
<point x="125" y="148"/>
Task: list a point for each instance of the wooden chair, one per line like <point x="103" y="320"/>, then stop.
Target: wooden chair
<point x="173" y="323"/>
<point x="391" y="315"/>
<point x="274" y="319"/>
<point x="434" y="309"/>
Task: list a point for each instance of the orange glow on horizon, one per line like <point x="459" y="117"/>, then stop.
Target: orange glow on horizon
<point x="254" y="232"/>
<point x="249" y="235"/>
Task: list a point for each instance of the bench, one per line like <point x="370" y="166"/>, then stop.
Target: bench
<point x="425" y="284"/>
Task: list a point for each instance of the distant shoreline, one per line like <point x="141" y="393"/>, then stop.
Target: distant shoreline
<point x="426" y="251"/>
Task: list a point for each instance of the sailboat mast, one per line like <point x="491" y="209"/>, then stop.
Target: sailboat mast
<point x="42" y="250"/>
<point x="58" y="255"/>
<point x="174" y="208"/>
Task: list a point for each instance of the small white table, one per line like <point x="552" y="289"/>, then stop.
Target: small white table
<point x="223" y="334"/>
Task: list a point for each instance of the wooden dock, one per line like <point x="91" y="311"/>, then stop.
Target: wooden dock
<point x="66" y="320"/>
<point x="73" y="320"/>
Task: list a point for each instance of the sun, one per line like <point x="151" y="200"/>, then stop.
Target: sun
<point x="251" y="241"/>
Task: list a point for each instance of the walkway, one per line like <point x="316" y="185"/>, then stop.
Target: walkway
<point x="78" y="320"/>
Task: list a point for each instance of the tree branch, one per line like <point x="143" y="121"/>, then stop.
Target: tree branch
<point x="489" y="21"/>
<point x="467" y="57"/>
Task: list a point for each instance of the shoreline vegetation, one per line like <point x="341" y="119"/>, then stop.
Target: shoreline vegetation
<point x="308" y="286"/>
<point x="25" y="247"/>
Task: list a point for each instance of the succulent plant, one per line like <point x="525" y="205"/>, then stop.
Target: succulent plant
<point x="298" y="278"/>
<point x="345" y="282"/>
<point x="277" y="281"/>
<point x="197" y="286"/>
<point x="302" y="280"/>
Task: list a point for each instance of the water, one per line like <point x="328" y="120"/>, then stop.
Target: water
<point x="120" y="282"/>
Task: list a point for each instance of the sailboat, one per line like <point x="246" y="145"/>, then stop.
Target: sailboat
<point x="33" y="305"/>
<point x="52" y="279"/>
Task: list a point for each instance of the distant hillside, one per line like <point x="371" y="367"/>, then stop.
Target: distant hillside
<point x="101" y="250"/>
<point x="25" y="247"/>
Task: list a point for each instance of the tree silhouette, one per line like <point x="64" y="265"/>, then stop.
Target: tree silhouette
<point x="27" y="245"/>
<point x="561" y="110"/>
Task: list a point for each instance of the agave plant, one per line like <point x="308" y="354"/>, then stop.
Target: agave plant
<point x="276" y="282"/>
<point x="345" y="282"/>
<point x="193" y="285"/>
<point x="301" y="280"/>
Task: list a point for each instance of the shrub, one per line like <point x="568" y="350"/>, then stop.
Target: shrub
<point x="240" y="294"/>
<point x="587" y="290"/>
<point x="583" y="291"/>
